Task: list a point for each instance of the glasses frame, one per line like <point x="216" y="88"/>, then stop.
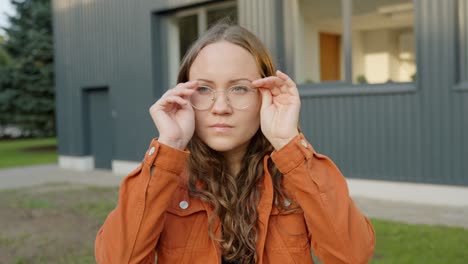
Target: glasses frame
<point x="214" y="96"/>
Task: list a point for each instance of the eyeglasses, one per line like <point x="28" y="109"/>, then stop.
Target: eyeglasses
<point x="238" y="96"/>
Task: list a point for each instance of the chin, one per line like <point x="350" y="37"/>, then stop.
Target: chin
<point x="225" y="144"/>
<point x="221" y="145"/>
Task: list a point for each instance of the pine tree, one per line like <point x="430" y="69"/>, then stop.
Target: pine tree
<point x="26" y="84"/>
<point x="4" y="56"/>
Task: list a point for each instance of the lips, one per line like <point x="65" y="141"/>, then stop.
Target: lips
<point x="221" y="128"/>
<point x="221" y="125"/>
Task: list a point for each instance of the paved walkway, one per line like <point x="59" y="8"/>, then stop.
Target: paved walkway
<point x="390" y="210"/>
<point x="51" y="173"/>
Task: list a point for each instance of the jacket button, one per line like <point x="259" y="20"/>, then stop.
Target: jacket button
<point x="151" y="151"/>
<point x="286" y="203"/>
<point x="304" y="143"/>
<point x="183" y="205"/>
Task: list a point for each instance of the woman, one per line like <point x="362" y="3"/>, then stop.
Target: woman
<point x="231" y="179"/>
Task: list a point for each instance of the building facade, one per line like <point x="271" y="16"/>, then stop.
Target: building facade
<point x="383" y="83"/>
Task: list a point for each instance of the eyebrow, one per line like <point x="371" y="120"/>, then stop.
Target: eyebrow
<point x="231" y="81"/>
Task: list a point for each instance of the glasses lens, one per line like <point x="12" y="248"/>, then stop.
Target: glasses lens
<point x="202" y="98"/>
<point x="241" y="96"/>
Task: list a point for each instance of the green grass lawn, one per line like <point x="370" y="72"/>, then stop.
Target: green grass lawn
<point x="404" y="243"/>
<point x="23" y="152"/>
<point x="57" y="223"/>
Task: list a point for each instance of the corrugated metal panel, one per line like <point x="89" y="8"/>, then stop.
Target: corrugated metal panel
<point x="460" y="101"/>
<point x="105" y="43"/>
<point x="463" y="139"/>
<point x="437" y="76"/>
<point x="257" y="16"/>
<point x="372" y="136"/>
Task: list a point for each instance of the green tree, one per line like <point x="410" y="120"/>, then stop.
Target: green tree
<point x="26" y="84"/>
<point x="6" y="114"/>
<point x="4" y="56"/>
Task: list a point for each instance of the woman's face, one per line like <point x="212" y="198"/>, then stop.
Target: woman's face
<point x="219" y="66"/>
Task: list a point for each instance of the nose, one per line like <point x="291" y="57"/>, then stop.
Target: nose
<point x="221" y="105"/>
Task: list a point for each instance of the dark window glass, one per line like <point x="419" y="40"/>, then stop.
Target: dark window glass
<point x="213" y="15"/>
<point x="188" y="32"/>
<point x="463" y="40"/>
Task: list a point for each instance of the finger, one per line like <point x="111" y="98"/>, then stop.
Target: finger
<point x="182" y="92"/>
<point x="288" y="81"/>
<point x="283" y="76"/>
<point x="181" y="89"/>
<point x="186" y="85"/>
<point x="189" y="84"/>
<point x="268" y="82"/>
<point x="273" y="83"/>
<point x="284" y="89"/>
<point x="275" y="91"/>
<point x="172" y="99"/>
<point x="266" y="97"/>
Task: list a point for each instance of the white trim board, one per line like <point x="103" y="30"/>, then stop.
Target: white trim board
<point x="430" y="194"/>
<point x="81" y="163"/>
<point x="123" y="167"/>
<point x="86" y="163"/>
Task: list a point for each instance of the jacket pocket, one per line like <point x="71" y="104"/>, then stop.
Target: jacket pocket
<point x="287" y="230"/>
<point x="185" y="223"/>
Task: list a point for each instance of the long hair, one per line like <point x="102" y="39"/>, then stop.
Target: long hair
<point x="234" y="198"/>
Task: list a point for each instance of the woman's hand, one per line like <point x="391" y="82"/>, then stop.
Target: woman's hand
<point x="174" y="116"/>
<point x="279" y="114"/>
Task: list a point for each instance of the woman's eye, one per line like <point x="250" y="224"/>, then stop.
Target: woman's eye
<point x="203" y="90"/>
<point x="240" y="89"/>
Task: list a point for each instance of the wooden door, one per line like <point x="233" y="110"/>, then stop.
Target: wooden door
<point x="330" y="57"/>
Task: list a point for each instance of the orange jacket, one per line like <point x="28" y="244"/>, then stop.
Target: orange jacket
<point x="155" y="214"/>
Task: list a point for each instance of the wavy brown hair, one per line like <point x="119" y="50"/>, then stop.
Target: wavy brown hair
<point x="234" y="197"/>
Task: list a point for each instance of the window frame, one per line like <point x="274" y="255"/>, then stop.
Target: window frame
<point x="347" y="87"/>
<point x="173" y="40"/>
<point x="461" y="43"/>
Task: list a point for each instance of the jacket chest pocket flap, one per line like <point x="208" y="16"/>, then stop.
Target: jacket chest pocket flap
<point x="185" y="221"/>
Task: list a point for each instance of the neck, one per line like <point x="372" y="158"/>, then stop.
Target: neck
<point x="234" y="158"/>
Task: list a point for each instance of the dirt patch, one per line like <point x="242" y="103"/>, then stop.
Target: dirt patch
<point x="40" y="149"/>
<point x="52" y="223"/>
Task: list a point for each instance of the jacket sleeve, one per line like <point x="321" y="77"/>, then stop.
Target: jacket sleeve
<point x="338" y="231"/>
<point x="131" y="231"/>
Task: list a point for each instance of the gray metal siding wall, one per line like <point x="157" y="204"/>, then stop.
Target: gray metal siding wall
<point x="105" y="43"/>
<point x="459" y="100"/>
<point x="261" y="17"/>
<point x="109" y="43"/>
<point x="436" y="79"/>
<point x="461" y="142"/>
<point x="413" y="134"/>
<point x="368" y="136"/>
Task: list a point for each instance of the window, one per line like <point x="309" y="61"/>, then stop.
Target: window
<point x="322" y="58"/>
<point x="185" y="26"/>
<point x="463" y="41"/>
<point x="360" y="41"/>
